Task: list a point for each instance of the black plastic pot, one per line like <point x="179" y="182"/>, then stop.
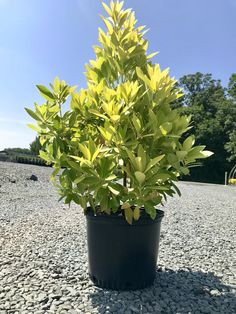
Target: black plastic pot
<point x="122" y="256"/>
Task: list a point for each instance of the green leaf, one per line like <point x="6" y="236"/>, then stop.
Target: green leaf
<point x="113" y="191"/>
<point x="34" y="127"/>
<point x="188" y="143"/>
<point x="83" y="202"/>
<point x="196" y="152"/>
<point x="162" y="176"/>
<point x="72" y="120"/>
<point x="132" y="159"/>
<point x="44" y="156"/>
<point x="126" y="169"/>
<point x="98" y="114"/>
<point x="85" y="151"/>
<point x="207" y="153"/>
<point x="114" y="204"/>
<point x="115" y="42"/>
<point x="34" y="115"/>
<point x="111" y="177"/>
<point x="184" y="170"/>
<point x="115" y="118"/>
<point x="163" y="188"/>
<point x="136" y="213"/>
<point x="96" y="153"/>
<point x="106" y="133"/>
<point x="151" y="210"/>
<point x="138" y="164"/>
<point x="136" y="123"/>
<point x="104" y="205"/>
<point x="45" y="92"/>
<point x="72" y="89"/>
<point x="142" y="155"/>
<point x="172" y="159"/>
<point x="56" y="85"/>
<point x="125" y="206"/>
<point x="140" y="176"/>
<point x="107" y="9"/>
<point x="153" y="162"/>
<point x="181" y="154"/>
<point x="74" y="165"/>
<point x="142" y="76"/>
<point x="129" y="215"/>
<point x="152" y="55"/>
<point x="54" y="173"/>
<point x="108" y="24"/>
<point x="166" y="128"/>
<point x="79" y="179"/>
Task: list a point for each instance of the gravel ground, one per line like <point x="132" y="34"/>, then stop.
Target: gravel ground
<point x="43" y="253"/>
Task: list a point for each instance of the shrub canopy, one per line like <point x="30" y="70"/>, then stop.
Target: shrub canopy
<point x="120" y="143"/>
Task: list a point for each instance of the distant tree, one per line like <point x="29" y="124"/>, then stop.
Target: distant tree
<point x="17" y="150"/>
<point x="232" y="86"/>
<point x="35" y="146"/>
<point x="230" y="146"/>
<point x="206" y="100"/>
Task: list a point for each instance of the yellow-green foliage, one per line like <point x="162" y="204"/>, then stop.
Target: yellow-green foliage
<point x="232" y="181"/>
<point x="120" y="126"/>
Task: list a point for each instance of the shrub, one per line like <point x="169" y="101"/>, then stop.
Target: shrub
<point x="121" y="127"/>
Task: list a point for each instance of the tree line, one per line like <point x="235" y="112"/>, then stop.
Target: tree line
<point x="213" y="111"/>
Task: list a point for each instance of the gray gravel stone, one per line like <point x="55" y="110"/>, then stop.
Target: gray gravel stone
<point x="43" y="252"/>
<point x="134" y="309"/>
<point x="42" y="298"/>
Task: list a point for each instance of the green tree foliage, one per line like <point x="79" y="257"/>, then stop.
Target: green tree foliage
<point x="35" y="146"/>
<point x="21" y="155"/>
<point x="213" y="116"/>
<point x="232" y="87"/>
<point x="231" y="144"/>
<point x="17" y="150"/>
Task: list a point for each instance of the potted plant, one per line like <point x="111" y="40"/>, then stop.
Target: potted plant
<point x="118" y="150"/>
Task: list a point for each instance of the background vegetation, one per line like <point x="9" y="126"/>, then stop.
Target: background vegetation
<point x="23" y="155"/>
<point x="213" y="110"/>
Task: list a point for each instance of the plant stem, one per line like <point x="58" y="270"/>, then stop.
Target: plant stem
<point x="125" y="177"/>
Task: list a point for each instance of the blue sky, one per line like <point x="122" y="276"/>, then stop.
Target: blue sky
<point x="42" y="39"/>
